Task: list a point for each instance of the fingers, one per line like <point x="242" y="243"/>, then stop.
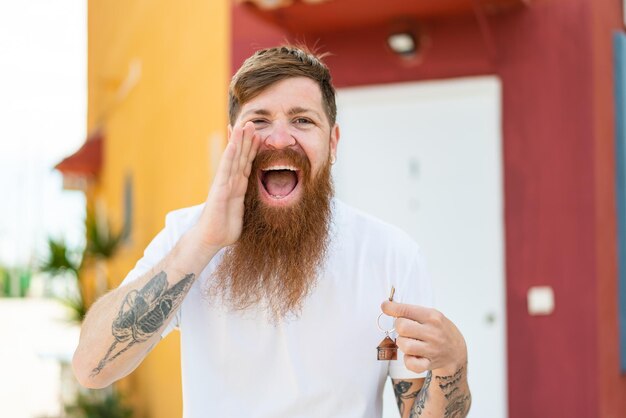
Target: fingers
<point x="413" y="347"/>
<point x="414" y="312"/>
<point x="418" y="355"/>
<point x="236" y="139"/>
<point x="417" y="364"/>
<point x="240" y="148"/>
<point x="246" y="145"/>
<point x="254" y="148"/>
<point x="409" y="328"/>
<point x="245" y="139"/>
<point x="414" y="338"/>
<point x="225" y="165"/>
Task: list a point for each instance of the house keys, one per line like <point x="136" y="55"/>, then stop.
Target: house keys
<point x="387" y="349"/>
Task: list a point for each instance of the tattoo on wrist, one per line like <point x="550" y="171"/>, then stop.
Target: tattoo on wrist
<point x="457" y="396"/>
<point x="143" y="313"/>
<point x="422" y="397"/>
<point x="458" y="399"/>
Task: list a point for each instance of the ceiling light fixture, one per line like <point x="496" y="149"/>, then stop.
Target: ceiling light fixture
<point x="403" y="44"/>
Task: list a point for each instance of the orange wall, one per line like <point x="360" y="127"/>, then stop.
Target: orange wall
<point x="165" y="133"/>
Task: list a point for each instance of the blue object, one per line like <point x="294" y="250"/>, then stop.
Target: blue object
<point x="619" y="46"/>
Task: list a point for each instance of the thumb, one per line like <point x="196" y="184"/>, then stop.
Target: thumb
<point x="404" y="310"/>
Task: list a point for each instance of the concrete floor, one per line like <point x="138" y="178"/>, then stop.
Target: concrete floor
<point x="35" y="342"/>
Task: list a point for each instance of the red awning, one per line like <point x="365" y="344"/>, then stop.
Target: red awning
<point x="319" y="16"/>
<point x="276" y="4"/>
<point x="85" y="162"/>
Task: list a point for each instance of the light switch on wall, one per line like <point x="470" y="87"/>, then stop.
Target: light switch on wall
<point x="540" y="300"/>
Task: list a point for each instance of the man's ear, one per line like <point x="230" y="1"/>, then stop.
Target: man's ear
<point x="334" y="140"/>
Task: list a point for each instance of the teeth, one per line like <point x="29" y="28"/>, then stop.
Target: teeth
<point x="276" y="197"/>
<point x="280" y="167"/>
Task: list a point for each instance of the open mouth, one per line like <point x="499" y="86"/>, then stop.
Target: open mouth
<point x="279" y="181"/>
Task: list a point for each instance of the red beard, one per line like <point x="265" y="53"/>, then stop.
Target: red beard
<point x="275" y="263"/>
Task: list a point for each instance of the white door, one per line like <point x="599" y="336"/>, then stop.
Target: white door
<point x="427" y="157"/>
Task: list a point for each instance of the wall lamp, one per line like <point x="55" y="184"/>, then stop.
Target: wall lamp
<point x="406" y="39"/>
<point x="403" y="44"/>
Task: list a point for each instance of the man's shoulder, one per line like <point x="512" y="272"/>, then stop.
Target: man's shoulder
<point x="364" y="226"/>
<point x="182" y="219"/>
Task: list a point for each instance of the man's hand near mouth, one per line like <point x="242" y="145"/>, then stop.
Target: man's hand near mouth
<point x="221" y="220"/>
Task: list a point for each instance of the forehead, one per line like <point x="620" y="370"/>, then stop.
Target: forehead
<point x="285" y="94"/>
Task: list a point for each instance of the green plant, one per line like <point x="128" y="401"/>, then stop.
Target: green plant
<point x="102" y="243"/>
<point x="14" y="282"/>
<point x="76" y="306"/>
<point x="60" y="259"/>
<point x="4" y="282"/>
<point x="99" y="404"/>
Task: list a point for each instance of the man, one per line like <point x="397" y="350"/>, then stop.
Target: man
<point x="275" y="286"/>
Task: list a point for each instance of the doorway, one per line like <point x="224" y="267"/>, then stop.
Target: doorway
<point x="426" y="157"/>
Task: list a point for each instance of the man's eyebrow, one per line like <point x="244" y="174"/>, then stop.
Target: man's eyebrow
<point x="261" y="112"/>
<point x="296" y="110"/>
<point x="291" y="112"/>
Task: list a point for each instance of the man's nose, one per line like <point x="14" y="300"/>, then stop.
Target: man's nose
<point x="279" y="136"/>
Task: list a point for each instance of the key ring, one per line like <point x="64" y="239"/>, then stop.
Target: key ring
<point x="386" y="331"/>
<point x="389" y="331"/>
<point x="387" y="349"/>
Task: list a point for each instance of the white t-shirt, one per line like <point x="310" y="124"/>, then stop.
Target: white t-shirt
<point x="321" y="364"/>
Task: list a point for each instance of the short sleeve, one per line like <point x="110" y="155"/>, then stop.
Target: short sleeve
<point x="415" y="288"/>
<point x="158" y="248"/>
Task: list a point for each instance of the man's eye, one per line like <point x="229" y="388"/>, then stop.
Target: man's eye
<point x="302" y="121"/>
<point x="259" y="122"/>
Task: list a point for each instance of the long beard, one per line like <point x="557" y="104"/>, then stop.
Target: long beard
<point x="275" y="263"/>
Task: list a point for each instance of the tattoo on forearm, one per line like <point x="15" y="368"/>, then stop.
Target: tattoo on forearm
<point x="143" y="313"/>
<point x="422" y="397"/>
<point x="400" y="389"/>
<point x="458" y="400"/>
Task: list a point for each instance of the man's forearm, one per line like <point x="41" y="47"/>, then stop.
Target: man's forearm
<point x="124" y="325"/>
<point x="443" y="396"/>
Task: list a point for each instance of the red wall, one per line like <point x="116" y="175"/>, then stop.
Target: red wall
<point x="544" y="62"/>
<point x="555" y="62"/>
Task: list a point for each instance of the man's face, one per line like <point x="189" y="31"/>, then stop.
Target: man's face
<point x="289" y="115"/>
<point x="287" y="209"/>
